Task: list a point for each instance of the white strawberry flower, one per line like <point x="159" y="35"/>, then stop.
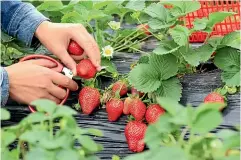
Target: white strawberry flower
<point x="107" y="51"/>
<point x="114" y="25"/>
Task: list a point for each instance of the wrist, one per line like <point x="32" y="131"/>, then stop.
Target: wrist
<point x="41" y="29"/>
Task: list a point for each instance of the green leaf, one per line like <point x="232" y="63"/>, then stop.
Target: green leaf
<point x="5" y="37"/>
<point x="101" y="4"/>
<point x="215" y="41"/>
<point x="50" y="6"/>
<point x="158" y="24"/>
<point x="39" y="154"/>
<point x="206" y="121"/>
<point x="44" y="105"/>
<point x="7" y="138"/>
<point x="111" y="66"/>
<point x="158" y="11"/>
<point x="88" y="143"/>
<point x="216" y="17"/>
<point x="149" y="77"/>
<point x="171" y="106"/>
<point x="96" y="14"/>
<point x="228" y="60"/>
<point x="143" y="59"/>
<point x="181" y="8"/>
<point x="65" y="154"/>
<point x="136" y="5"/>
<point x="62" y="111"/>
<point x="73" y="17"/>
<point x="152" y="137"/>
<point x="36" y="117"/>
<point x="200" y="24"/>
<point x="180" y="34"/>
<point x="170" y="88"/>
<point x="5" y="115"/>
<point x="95" y="132"/>
<point x="166" y="47"/>
<point x="115" y="157"/>
<point x="33" y="136"/>
<point x="232" y="40"/>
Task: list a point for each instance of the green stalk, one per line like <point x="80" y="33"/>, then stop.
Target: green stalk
<point x="127" y="36"/>
<point x="51" y="128"/>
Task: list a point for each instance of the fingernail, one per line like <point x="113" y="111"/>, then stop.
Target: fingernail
<point x="77" y="88"/>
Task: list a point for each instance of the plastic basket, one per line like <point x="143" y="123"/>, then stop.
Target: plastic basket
<point x="230" y="24"/>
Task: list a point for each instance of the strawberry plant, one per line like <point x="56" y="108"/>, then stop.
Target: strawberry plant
<point x="194" y="142"/>
<point x="36" y="137"/>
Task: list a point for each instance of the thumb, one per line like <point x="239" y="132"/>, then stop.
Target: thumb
<point x="68" y="61"/>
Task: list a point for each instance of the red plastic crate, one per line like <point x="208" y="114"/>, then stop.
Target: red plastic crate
<point x="230" y="24"/>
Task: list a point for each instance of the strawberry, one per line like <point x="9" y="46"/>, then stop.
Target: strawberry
<point x="153" y="112"/>
<point x="75" y="49"/>
<point x="126" y="109"/>
<point x="135" y="133"/>
<point x="137" y="109"/>
<point x="214" y="97"/>
<point x="114" y="108"/>
<point x="89" y="99"/>
<point x="120" y="86"/>
<point x="134" y="92"/>
<point x="85" y="69"/>
<point x="144" y="28"/>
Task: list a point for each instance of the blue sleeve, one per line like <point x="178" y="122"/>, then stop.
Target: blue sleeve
<point x="4" y="86"/>
<point x="20" y="20"/>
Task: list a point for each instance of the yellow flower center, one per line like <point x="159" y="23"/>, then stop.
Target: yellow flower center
<point x="108" y="52"/>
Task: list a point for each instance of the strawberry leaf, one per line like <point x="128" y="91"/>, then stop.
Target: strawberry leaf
<point x="136" y="5"/>
<point x="200" y="24"/>
<point x="166" y="47"/>
<point x="170" y="88"/>
<point x="181" y="8"/>
<point x="228" y="60"/>
<point x="217" y="17"/>
<point x="73" y="17"/>
<point x="158" y="24"/>
<point x="180" y="35"/>
<point x="157" y="10"/>
<point x="149" y="77"/>
<point x="232" y="40"/>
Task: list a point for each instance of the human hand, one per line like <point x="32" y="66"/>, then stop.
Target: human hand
<point x="33" y="79"/>
<point x="56" y="38"/>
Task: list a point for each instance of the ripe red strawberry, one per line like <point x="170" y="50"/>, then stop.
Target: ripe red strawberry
<point x="126" y="109"/>
<point x="135" y="92"/>
<point x="214" y="97"/>
<point x="120" y="86"/>
<point x="137" y="109"/>
<point x="75" y="49"/>
<point x="114" y="108"/>
<point x="85" y="69"/>
<point x="89" y="99"/>
<point x="135" y="133"/>
<point x="153" y="112"/>
<point x="144" y="28"/>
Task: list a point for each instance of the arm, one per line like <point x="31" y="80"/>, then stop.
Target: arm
<point x="21" y="20"/>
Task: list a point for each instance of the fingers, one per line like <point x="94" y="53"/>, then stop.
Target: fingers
<point x="51" y="97"/>
<point x="64" y="81"/>
<point x="57" y="91"/>
<point x="42" y="62"/>
<point x="87" y="42"/>
<point x="67" y="59"/>
<point x="77" y="58"/>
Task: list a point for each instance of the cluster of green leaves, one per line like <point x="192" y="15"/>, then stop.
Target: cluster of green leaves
<point x="151" y="77"/>
<point x="195" y="142"/>
<point x="37" y="138"/>
<point x="12" y="50"/>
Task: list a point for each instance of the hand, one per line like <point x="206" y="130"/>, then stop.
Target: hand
<point x="56" y="38"/>
<point x="31" y="80"/>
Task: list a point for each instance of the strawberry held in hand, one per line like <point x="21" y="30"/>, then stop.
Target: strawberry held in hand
<point x="135" y="133"/>
<point x="215" y="97"/>
<point x="114" y="108"/>
<point x="89" y="99"/>
<point x="153" y="112"/>
<point x="137" y="109"/>
<point x="75" y="49"/>
<point x="85" y="69"/>
<point x="121" y="87"/>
